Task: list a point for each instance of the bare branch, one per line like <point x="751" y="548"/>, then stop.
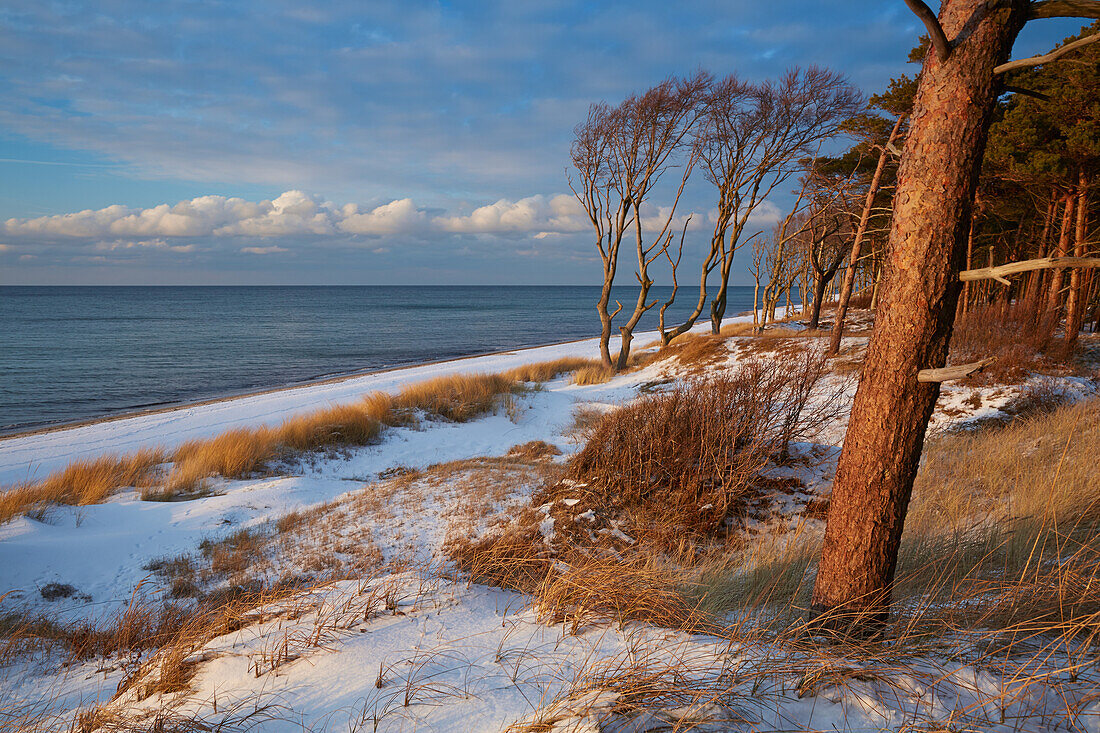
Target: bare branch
<point x="946" y="374"/>
<point x="935" y="30"/>
<point x="1064" y="9"/>
<point x="1026" y="92"/>
<point x="1045" y="58"/>
<point x="1014" y="268"/>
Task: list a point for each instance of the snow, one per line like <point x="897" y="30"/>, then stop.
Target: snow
<point x="449" y="656"/>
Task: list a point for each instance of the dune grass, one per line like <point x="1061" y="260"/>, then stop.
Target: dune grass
<point x="458" y="397"/>
<point x="1003" y="529"/>
<point x="84" y="481"/>
<point x="544" y="371"/>
<point x="248" y="451"/>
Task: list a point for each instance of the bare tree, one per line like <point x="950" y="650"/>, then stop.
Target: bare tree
<point x="931" y="215"/>
<point x="750" y="141"/>
<point x="825" y="251"/>
<point x="620" y="155"/>
<point x="780" y="264"/>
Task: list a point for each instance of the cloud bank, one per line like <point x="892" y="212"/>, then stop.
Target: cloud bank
<point x="298" y="214"/>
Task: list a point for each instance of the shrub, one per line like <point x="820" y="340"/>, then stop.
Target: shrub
<point x="1011" y="333"/>
<point x="690" y="454"/>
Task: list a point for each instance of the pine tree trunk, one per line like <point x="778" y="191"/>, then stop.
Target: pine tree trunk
<point x="920" y="289"/>
<point x="1075" y="307"/>
<point x="1035" y="281"/>
<point x="966" y="300"/>
<point x="857" y="245"/>
<point x="1054" y="295"/>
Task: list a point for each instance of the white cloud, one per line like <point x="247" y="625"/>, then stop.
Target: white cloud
<point x="295" y="213"/>
<point x="264" y="250"/>
<point x="396" y="217"/>
<point x="139" y="244"/>
<point x="534" y="214"/>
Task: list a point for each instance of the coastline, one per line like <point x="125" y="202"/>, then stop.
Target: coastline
<point x="30" y="455"/>
<point x="127" y="414"/>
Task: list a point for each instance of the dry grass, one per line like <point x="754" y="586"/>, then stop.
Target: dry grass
<point x="1003" y="533"/>
<point x="535" y="450"/>
<point x="593" y="374"/>
<point x="737" y="329"/>
<point x="612" y="591"/>
<point x="1043" y="465"/>
<point x="459" y="397"/>
<point x="142" y="625"/>
<point x="86" y="481"/>
<point x="544" y="371"/>
<point x="695" y="352"/>
<point x="236" y="453"/>
<point x="245" y="452"/>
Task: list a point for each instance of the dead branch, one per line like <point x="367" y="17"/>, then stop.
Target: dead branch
<point x="1064" y="9"/>
<point x="945" y="374"/>
<point x="1026" y="92"/>
<point x="999" y="272"/>
<point x="1046" y="58"/>
<point x="935" y="30"/>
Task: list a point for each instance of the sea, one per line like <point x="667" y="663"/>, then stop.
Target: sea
<point x="77" y="353"/>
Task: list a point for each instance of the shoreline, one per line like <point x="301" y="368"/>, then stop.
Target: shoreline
<point x="243" y="394"/>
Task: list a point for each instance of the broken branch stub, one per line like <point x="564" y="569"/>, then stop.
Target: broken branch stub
<point x="946" y="374"/>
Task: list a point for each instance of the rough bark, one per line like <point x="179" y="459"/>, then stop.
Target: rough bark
<point x="931" y="216"/>
<point x="857" y="243"/>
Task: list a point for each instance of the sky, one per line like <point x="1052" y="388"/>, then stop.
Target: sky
<point x="366" y="142"/>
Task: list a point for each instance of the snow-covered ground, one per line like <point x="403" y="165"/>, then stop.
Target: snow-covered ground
<point x="447" y="655"/>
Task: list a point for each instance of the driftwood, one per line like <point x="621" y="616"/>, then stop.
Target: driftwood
<point x="1014" y="268"/>
<point x="945" y="374"/>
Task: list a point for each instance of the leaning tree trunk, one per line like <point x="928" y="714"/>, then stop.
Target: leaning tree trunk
<point x="920" y="289"/>
<point x="857" y="244"/>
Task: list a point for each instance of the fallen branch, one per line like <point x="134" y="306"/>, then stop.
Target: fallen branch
<point x="1046" y="58"/>
<point x="946" y="374"/>
<point x="999" y="272"/>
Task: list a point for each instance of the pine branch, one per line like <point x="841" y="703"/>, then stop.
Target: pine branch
<point x="935" y="30"/>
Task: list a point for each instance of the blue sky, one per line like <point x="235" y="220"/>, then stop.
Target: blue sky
<point x="357" y="142"/>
